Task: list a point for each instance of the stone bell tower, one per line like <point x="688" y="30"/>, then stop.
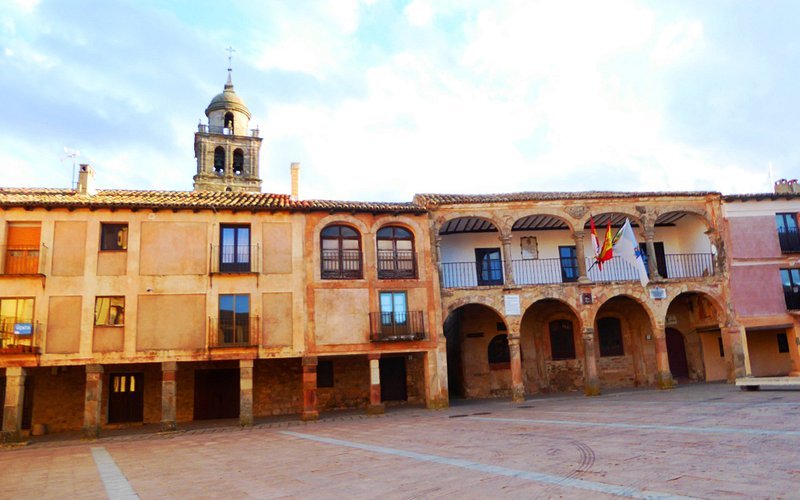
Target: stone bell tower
<point x="225" y="148"/>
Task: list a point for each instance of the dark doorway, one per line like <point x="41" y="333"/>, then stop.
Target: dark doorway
<point x="676" y="352"/>
<point x="661" y="257"/>
<point x="27" y="402"/>
<point x="452" y="334"/>
<point x="490" y="266"/>
<point x="125" y="397"/>
<point x="393" y="379"/>
<point x="216" y="394"/>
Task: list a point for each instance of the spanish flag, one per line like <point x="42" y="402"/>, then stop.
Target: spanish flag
<point x="607" y="250"/>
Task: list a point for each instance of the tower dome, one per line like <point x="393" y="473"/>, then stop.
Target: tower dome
<point x="227" y="100"/>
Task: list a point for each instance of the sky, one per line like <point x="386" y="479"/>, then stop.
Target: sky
<point x="380" y="99"/>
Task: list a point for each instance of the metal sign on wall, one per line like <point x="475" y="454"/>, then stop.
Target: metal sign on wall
<point x="512" y="305"/>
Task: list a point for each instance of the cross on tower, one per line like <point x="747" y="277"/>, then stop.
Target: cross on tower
<point x="230" y="50"/>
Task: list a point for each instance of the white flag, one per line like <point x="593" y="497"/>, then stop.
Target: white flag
<point x="627" y="247"/>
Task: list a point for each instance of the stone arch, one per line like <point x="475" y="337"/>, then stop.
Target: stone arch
<point x="641" y="299"/>
<point x="699" y="317"/>
<point x="479" y="300"/>
<point x="219" y="160"/>
<point x="404" y="222"/>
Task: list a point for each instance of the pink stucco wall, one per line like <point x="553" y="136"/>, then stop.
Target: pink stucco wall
<point x="754" y="237"/>
<point x="757" y="290"/>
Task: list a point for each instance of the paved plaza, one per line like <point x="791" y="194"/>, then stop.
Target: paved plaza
<point x="701" y="440"/>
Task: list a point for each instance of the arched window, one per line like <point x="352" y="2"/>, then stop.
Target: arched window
<point x="396" y="253"/>
<point x="562" y="344"/>
<point x="609" y="333"/>
<point x="238" y="162"/>
<point x="229" y="122"/>
<point x="499" y="356"/>
<point x="219" y="160"/>
<point x="341" y="252"/>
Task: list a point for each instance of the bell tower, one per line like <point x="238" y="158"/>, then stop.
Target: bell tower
<point x="225" y="148"/>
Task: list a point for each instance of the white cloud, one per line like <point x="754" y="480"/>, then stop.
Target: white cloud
<point x="677" y="41"/>
<point x="419" y="13"/>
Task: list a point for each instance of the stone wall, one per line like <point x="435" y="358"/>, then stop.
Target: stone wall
<point x="58" y="395"/>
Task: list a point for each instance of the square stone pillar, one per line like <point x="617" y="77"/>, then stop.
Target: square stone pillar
<point x="376" y="406"/>
<point x="310" y="388"/>
<point x="732" y="339"/>
<point x="517" y="384"/>
<point x="436" y="396"/>
<point x="664" y="378"/>
<point x="591" y="382"/>
<point x="245" y="392"/>
<point x="13" y="404"/>
<point x="92" y="403"/>
<point x="169" y="402"/>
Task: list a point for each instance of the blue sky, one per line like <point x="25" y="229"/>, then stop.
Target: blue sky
<point x="382" y="99"/>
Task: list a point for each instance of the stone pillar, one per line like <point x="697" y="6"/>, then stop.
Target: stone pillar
<point x="508" y="267"/>
<point x="310" y="411"/>
<point x="245" y="392"/>
<point x="792" y="335"/>
<point x="734" y="353"/>
<point x="375" y="404"/>
<point x="580" y="255"/>
<point x="517" y="384"/>
<point x="664" y="378"/>
<point x="169" y="404"/>
<point x="652" y="258"/>
<point x="436" y="395"/>
<point x="13" y="404"/>
<point x="92" y="403"/>
<point x="591" y="382"/>
<point x="438" y="256"/>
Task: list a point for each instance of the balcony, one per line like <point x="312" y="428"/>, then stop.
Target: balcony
<point x="558" y="270"/>
<point x="23" y="260"/>
<point x="214" y="129"/>
<point x="341" y="264"/>
<point x="396" y="327"/>
<point x="396" y="264"/>
<point x="235" y="259"/>
<point x="789" y="239"/>
<point x="239" y="331"/>
<point x="19" y="338"/>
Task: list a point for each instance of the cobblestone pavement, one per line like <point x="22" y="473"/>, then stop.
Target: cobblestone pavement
<point x="701" y="440"/>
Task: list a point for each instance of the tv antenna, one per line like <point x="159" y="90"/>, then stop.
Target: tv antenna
<point x="71" y="153"/>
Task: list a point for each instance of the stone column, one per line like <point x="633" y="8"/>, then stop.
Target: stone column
<point x="169" y="392"/>
<point x="92" y="403"/>
<point x="652" y="258"/>
<point x="13" y="404"/>
<point x="664" y="378"/>
<point x="580" y="255"/>
<point x="436" y="396"/>
<point x="517" y="384"/>
<point x="591" y="382"/>
<point x="734" y="353"/>
<point x="245" y="392"/>
<point x="508" y="267"/>
<point x="310" y="411"/>
<point x="438" y="256"/>
<point x="375" y="404"/>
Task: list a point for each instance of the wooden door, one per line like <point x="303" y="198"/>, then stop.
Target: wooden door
<point x="216" y="394"/>
<point x="393" y="379"/>
<point x="676" y="352"/>
<point x="125" y="398"/>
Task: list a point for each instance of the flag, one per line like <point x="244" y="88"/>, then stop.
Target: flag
<point x="595" y="240"/>
<point x="627" y="247"/>
<point x="607" y="251"/>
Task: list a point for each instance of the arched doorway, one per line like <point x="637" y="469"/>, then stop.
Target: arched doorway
<point x="477" y="361"/>
<point x="696" y="318"/>
<point x="624" y="344"/>
<point x="551" y="348"/>
<point x="676" y="352"/>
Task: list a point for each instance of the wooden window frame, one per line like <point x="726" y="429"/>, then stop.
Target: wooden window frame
<point x="340" y="271"/>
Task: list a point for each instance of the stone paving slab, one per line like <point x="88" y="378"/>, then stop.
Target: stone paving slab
<point x="704" y="440"/>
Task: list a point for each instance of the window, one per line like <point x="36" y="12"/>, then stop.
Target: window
<point x="16" y="321"/>
<point x="238" y="162"/>
<point x="394" y="308"/>
<point x="489" y="266"/>
<point x="609" y="331"/>
<point x="325" y="373"/>
<point x="562" y="345"/>
<point x="234" y="319"/>
<point x="234" y="249"/>
<point x="219" y="160"/>
<point x="783" y="342"/>
<point x="396" y="253"/>
<point x="113" y="236"/>
<point x="341" y="252"/>
<point x="788" y="234"/>
<point x="229" y="122"/>
<point x="22" y="248"/>
<point x="109" y="311"/>
<point x="791" y="288"/>
<point x="498" y="353"/>
<point x="569" y="263"/>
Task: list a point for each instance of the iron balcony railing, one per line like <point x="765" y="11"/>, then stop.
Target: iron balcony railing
<point x="471" y="274"/>
<point x="233" y="259"/>
<point x="23" y="259"/>
<point x="18" y="337"/>
<point x="789" y="239"/>
<point x="396" y="326"/>
<point x="241" y="330"/>
<point x="397" y="264"/>
<point x="537" y="271"/>
<point x="341" y="264"/>
<point x="215" y="129"/>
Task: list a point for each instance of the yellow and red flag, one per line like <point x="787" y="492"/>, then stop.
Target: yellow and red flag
<point x="607" y="250"/>
<point x="595" y="240"/>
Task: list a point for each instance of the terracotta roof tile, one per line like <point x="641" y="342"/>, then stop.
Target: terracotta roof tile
<point x="186" y="200"/>
<point x="429" y="200"/>
<point x="761" y="196"/>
